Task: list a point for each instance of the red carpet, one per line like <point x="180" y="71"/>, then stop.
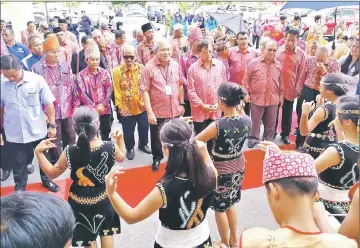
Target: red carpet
<point x="136" y="183"/>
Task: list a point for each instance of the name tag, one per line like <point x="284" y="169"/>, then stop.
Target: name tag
<point x="168" y="90"/>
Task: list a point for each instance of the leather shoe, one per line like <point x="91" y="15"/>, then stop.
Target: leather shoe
<point x="4" y="175"/>
<point x="252" y="144"/>
<point x="145" y="149"/>
<point x="155" y="165"/>
<point x="130" y="154"/>
<point x="286" y="140"/>
<point x="30" y="168"/>
<point x="51" y="186"/>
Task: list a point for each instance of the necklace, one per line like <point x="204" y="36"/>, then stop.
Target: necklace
<point x="231" y="114"/>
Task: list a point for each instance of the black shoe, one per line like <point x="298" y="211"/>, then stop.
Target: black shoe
<point x="285" y="139"/>
<point x="295" y="132"/>
<point x="30" y="168"/>
<point x="130" y="154"/>
<point x="4" y="175"/>
<point x="155" y="165"/>
<point x="145" y="149"/>
<point x="252" y="144"/>
<point x="51" y="186"/>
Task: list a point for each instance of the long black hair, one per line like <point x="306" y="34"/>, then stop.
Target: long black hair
<point x="87" y="125"/>
<point x="185" y="156"/>
<point x="345" y="67"/>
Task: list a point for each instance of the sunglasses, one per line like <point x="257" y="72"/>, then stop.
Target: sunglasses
<point x="129" y="57"/>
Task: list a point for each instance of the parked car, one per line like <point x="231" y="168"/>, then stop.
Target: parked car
<point x="151" y="13"/>
<point x="346" y="14"/>
<point x="159" y="14"/>
<point x="249" y="13"/>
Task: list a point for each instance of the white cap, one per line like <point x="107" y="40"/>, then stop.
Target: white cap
<point x="178" y="26"/>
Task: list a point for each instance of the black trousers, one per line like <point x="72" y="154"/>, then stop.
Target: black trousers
<point x="200" y="126"/>
<point x="156" y="147"/>
<point x="307" y="95"/>
<point x="105" y="126"/>
<point x="256" y="41"/>
<point x="128" y="125"/>
<point x="247" y="109"/>
<point x="187" y="108"/>
<point x="16" y="156"/>
<point x="286" y="118"/>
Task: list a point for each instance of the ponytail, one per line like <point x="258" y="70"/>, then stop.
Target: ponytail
<point x="83" y="145"/>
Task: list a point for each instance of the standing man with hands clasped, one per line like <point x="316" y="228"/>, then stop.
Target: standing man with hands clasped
<point x="24" y="119"/>
<point x="162" y="89"/>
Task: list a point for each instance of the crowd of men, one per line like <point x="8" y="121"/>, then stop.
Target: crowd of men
<point x="146" y="82"/>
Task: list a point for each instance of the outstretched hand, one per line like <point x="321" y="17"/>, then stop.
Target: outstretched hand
<point x="111" y="179"/>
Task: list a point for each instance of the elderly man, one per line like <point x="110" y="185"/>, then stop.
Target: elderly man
<point x="95" y="89"/>
<point x="129" y="102"/>
<point x="162" y="88"/>
<point x="315" y="69"/>
<point x="13" y="47"/>
<point x="110" y="51"/>
<point x="264" y="85"/>
<point x="292" y="59"/>
<point x="68" y="35"/>
<point x="36" y="48"/>
<point x="145" y="50"/>
<point x="58" y="76"/>
<point x="179" y="42"/>
<point x="44" y="28"/>
<point x="69" y="46"/>
<point x="138" y="37"/>
<point x="239" y="59"/>
<point x="22" y="109"/>
<point x="29" y="31"/>
<point x="187" y="59"/>
<point x="204" y="78"/>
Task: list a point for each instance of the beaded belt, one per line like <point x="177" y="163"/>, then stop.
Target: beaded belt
<point x="88" y="200"/>
<point x="319" y="135"/>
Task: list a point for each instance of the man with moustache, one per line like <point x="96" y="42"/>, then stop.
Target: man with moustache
<point x="204" y="78"/>
<point x="36" y="48"/>
<point x="162" y="89"/>
<point x="129" y="102"/>
<point x="292" y="59"/>
<point x="58" y="76"/>
<point x="29" y="31"/>
<point x="145" y="49"/>
<point x="264" y="85"/>
<point x="239" y="59"/>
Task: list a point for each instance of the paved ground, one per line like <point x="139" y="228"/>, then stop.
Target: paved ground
<point x="253" y="209"/>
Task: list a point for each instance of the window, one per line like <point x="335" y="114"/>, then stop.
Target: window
<point x="332" y="15"/>
<point x="347" y="14"/>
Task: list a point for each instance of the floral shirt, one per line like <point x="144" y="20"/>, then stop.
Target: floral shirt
<point x="177" y="45"/>
<point x="238" y="62"/>
<point x="128" y="97"/>
<point x="203" y="84"/>
<point x="71" y="37"/>
<point x="311" y="77"/>
<point x="112" y="57"/>
<point x="145" y="52"/>
<point x="163" y="85"/>
<point x="292" y="66"/>
<point x="94" y="89"/>
<point x="263" y="81"/>
<point x="61" y="83"/>
<point x="69" y="49"/>
<point x="25" y="35"/>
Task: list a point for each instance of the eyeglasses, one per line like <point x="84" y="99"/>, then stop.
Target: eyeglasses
<point x="129" y="57"/>
<point x="271" y="50"/>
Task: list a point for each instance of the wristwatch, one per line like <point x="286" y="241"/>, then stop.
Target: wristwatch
<point x="52" y="125"/>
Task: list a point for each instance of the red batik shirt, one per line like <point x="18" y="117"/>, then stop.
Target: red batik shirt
<point x="203" y="84"/>
<point x="154" y="79"/>
<point x="293" y="63"/>
<point x="61" y="82"/>
<point x="112" y="56"/>
<point x="238" y="62"/>
<point x="263" y="81"/>
<point x="94" y="89"/>
<point x="145" y="52"/>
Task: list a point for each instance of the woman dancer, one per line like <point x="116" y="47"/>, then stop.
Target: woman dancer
<point x="182" y="196"/>
<point x="228" y="135"/>
<point x="89" y="160"/>
<point x="315" y="122"/>
<point x="338" y="164"/>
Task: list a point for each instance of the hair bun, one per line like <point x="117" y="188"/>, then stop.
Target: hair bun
<point x="238" y="93"/>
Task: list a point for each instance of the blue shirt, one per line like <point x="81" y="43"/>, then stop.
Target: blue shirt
<point x="30" y="60"/>
<point x="19" y="50"/>
<point x="24" y="118"/>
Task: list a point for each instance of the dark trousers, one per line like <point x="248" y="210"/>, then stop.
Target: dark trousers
<point x="105" y="126"/>
<point x="247" y="109"/>
<point x="128" y="125"/>
<point x="65" y="135"/>
<point x="16" y="156"/>
<point x="118" y="116"/>
<point x="307" y="95"/>
<point x="156" y="148"/>
<point x="187" y="108"/>
<point x="256" y="41"/>
<point x="286" y="118"/>
<point x="200" y="126"/>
